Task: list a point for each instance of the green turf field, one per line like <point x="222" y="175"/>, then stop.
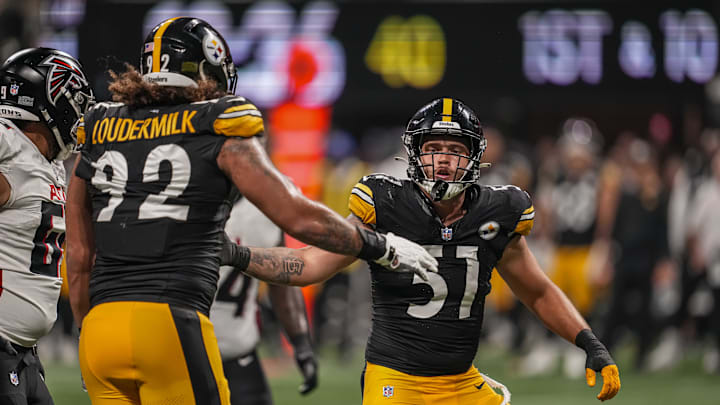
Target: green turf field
<point x="339" y="384"/>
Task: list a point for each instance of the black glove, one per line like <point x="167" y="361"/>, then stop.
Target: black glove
<point x="599" y="360"/>
<point x="233" y="254"/>
<point x="7" y="347"/>
<point x="305" y="359"/>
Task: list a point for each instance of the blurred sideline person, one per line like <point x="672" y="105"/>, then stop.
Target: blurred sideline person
<point x="147" y="206"/>
<point x="704" y="251"/>
<point x="425" y="332"/>
<point x="235" y="314"/>
<point x="43" y="92"/>
<point x="641" y="252"/>
<point x="575" y="210"/>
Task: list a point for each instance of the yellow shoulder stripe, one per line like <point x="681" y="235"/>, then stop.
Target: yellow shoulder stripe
<point x="80" y="131"/>
<point x="236" y="108"/>
<point x="244" y="126"/>
<point x="526" y="221"/>
<point x="365" y="189"/>
<point x="362" y="204"/>
<point x="524" y="227"/>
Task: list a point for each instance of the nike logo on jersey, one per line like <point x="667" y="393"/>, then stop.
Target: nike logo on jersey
<point x="480" y="386"/>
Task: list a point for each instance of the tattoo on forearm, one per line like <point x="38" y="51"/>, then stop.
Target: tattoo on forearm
<point x="293" y="266"/>
<point x="278" y="267"/>
<point x="339" y="237"/>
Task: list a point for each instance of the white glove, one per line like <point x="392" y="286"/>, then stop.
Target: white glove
<point x="404" y="256"/>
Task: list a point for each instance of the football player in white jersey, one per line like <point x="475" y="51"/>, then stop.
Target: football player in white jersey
<point x="234" y="314"/>
<point x="43" y="92"/>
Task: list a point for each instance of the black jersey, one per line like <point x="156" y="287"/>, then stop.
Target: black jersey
<point x="432" y="328"/>
<point x="159" y="200"/>
<point x="574" y="205"/>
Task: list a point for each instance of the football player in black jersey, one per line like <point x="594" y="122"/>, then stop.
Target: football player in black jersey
<point x="425" y="332"/>
<point x="147" y="204"/>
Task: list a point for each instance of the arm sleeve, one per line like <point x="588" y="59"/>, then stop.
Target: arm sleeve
<point x="523" y="208"/>
<point x="362" y="203"/>
<point x="237" y="116"/>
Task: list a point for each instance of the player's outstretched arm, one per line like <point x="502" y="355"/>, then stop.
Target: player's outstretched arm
<point x="80" y="247"/>
<point x="281" y="265"/>
<point x="245" y="162"/>
<point x="529" y="283"/>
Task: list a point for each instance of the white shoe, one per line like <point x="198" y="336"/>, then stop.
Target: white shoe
<point x="574" y="364"/>
<point x="711" y="361"/>
<point x="542" y="359"/>
<point x="667" y="353"/>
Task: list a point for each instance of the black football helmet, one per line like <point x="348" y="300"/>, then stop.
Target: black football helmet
<point x="444" y="116"/>
<point x="48" y="86"/>
<point x="181" y="50"/>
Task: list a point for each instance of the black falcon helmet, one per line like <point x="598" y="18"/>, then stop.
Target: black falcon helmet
<point x="451" y="117"/>
<point x="49" y="86"/>
<point x="181" y="50"/>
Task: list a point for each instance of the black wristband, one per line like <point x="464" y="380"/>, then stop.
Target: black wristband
<point x="373" y="244"/>
<point x="587" y="340"/>
<point x="301" y="343"/>
<point x="240" y="257"/>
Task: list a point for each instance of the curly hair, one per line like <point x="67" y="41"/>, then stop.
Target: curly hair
<point x="129" y="88"/>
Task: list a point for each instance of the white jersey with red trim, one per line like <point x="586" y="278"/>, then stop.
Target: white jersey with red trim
<point x="234" y="311"/>
<point x="32" y="232"/>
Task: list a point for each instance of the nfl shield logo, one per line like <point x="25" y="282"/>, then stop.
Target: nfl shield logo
<point x="14" y="378"/>
<point x="14" y="89"/>
<point x="446" y="233"/>
<point x="388" y="391"/>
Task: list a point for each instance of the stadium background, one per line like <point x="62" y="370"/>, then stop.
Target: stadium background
<point x="337" y="81"/>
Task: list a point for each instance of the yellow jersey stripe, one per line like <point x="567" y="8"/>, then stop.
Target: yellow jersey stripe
<point x="244" y="126"/>
<point x="366" y="189"/>
<point x="80" y="131"/>
<point x="240" y="108"/>
<point x="361" y="209"/>
<point x="447" y="109"/>
<point x="528" y="214"/>
<point x="157" y="43"/>
<point x="524" y="227"/>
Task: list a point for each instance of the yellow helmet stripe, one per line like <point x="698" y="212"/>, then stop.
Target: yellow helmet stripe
<point x="157" y="42"/>
<point x="447" y="109"/>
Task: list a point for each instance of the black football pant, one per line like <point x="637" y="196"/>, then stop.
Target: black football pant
<point x="246" y="380"/>
<point x="630" y="308"/>
<point x="22" y="378"/>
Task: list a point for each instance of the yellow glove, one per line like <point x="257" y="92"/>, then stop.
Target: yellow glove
<point x="599" y="359"/>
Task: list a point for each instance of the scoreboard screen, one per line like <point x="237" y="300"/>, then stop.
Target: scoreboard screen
<point x="376" y="62"/>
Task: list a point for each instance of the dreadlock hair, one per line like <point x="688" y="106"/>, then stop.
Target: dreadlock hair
<point x="130" y="89"/>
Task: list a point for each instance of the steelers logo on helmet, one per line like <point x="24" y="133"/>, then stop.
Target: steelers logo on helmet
<point x="489" y="230"/>
<point x="214" y="49"/>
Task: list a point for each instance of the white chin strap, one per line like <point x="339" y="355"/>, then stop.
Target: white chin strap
<point x="452" y="190"/>
<point x="63" y="151"/>
<point x="169" y="79"/>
